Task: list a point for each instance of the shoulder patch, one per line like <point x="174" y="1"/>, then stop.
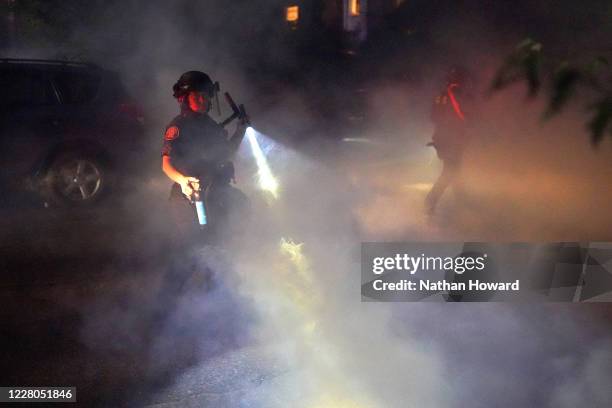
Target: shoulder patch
<point x="171" y="133"/>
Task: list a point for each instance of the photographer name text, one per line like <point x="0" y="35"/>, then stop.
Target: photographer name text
<point x="443" y="285"/>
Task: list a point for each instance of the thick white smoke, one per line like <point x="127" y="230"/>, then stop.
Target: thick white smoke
<point x="285" y="326"/>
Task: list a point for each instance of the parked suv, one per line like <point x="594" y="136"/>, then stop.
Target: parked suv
<point x="66" y="129"/>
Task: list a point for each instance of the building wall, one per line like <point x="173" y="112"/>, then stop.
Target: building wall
<point x="320" y="19"/>
<point x="371" y="12"/>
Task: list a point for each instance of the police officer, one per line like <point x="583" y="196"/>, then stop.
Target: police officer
<point x="195" y="151"/>
<point x="195" y="155"/>
<point x="450" y="135"/>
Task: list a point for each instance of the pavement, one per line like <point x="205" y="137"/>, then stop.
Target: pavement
<point x="81" y="306"/>
<point x="79" y="292"/>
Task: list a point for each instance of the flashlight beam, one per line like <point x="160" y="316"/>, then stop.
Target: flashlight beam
<point x="267" y="181"/>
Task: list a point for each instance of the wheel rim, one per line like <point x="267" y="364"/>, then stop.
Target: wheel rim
<point x="79" y="180"/>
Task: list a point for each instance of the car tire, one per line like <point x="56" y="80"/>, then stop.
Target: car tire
<point x="77" y="179"/>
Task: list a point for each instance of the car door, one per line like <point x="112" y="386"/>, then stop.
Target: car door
<point x="76" y="89"/>
<point x="29" y="122"/>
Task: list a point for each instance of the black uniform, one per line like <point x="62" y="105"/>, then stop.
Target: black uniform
<point x="197" y="146"/>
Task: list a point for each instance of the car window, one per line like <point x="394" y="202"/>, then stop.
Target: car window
<point x="111" y="88"/>
<point x="24" y="87"/>
<point x="76" y="87"/>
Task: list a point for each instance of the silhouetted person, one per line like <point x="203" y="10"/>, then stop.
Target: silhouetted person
<point x="450" y="136"/>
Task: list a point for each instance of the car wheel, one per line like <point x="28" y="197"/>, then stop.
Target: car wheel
<point x="77" y="179"/>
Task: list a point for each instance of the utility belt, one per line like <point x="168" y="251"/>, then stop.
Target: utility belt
<point x="217" y="175"/>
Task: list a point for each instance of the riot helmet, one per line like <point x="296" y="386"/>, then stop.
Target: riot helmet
<point x="194" y="81"/>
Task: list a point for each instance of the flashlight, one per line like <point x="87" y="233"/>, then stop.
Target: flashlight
<point x="239" y="112"/>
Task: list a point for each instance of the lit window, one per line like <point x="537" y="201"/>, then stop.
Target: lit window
<point x="354" y="7"/>
<point x="292" y="14"/>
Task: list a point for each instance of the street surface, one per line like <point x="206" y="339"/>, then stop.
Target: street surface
<point x="80" y="303"/>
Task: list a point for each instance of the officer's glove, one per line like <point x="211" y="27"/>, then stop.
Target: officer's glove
<point x="188" y="185"/>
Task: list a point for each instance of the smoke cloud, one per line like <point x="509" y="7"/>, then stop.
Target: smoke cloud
<point x="284" y="325"/>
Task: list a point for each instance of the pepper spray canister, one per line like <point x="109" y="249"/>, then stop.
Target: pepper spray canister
<point x="200" y="209"/>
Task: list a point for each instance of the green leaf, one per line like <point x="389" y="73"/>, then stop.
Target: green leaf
<point x="594" y="71"/>
<point x="601" y="119"/>
<point x="531" y="67"/>
<point x="523" y="64"/>
<point x="564" y="83"/>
